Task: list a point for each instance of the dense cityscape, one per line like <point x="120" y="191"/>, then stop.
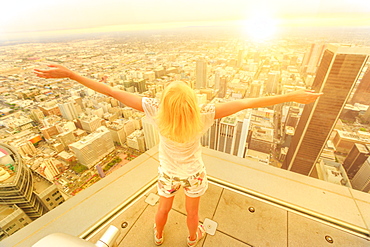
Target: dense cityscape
<point x="69" y="137"/>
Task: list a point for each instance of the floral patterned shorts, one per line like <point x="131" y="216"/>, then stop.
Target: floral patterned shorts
<point x="194" y="186"/>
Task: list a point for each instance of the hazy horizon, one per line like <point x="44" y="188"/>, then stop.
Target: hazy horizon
<point x="40" y="18"/>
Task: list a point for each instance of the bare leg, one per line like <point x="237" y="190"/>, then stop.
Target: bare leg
<point x="165" y="205"/>
<point x="192" y="208"/>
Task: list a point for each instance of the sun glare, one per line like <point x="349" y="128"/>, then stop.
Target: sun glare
<point x="260" y="26"/>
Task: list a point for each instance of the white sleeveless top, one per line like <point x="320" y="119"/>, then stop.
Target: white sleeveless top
<point x="180" y="159"/>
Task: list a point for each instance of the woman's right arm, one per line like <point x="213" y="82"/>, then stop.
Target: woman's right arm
<point x="58" y="71"/>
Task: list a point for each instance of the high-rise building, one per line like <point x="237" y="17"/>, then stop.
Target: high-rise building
<point x="343" y="141"/>
<point x="240" y="58"/>
<point x="78" y="101"/>
<point x="288" y="133"/>
<point x="127" y="112"/>
<point x="66" y="138"/>
<point x="272" y="82"/>
<point x="140" y="85"/>
<point x="92" y="148"/>
<point x="37" y="115"/>
<point x="117" y="131"/>
<point x="201" y="74"/>
<point x="292" y="117"/>
<point x="50" y="108"/>
<point x="66" y="157"/>
<point x="261" y="139"/>
<point x="228" y="135"/>
<point x="202" y="98"/>
<point x="128" y="86"/>
<point x="159" y="72"/>
<point x="49" y="131"/>
<point x="90" y="123"/>
<point x="69" y="126"/>
<point x="50" y="168"/>
<point x="129" y="126"/>
<point x="27" y="148"/>
<point x="150" y="75"/>
<point x="20" y="186"/>
<point x="312" y="58"/>
<point x="217" y="79"/>
<point x="68" y="110"/>
<point x="336" y="76"/>
<point x="255" y="89"/>
<point x="151" y="135"/>
<point x="223" y="86"/>
<point x="331" y="171"/>
<point x="210" y="138"/>
<point x="17" y="122"/>
<point x="366" y="116"/>
<point x="12" y="219"/>
<point x="47" y="192"/>
<point x="361" y="181"/>
<point x="355" y="159"/>
<point x="362" y="92"/>
<point x="136" y="140"/>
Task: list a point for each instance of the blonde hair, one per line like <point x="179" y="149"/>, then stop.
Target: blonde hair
<point x="179" y="114"/>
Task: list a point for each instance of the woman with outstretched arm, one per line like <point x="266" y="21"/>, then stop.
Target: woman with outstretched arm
<point x="181" y="122"/>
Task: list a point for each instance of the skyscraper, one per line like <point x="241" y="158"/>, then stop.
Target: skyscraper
<point x="336" y="76"/>
<point x="94" y="147"/>
<point x="229" y="134"/>
<point x="261" y="139"/>
<point x="366" y="116"/>
<point x="255" y="89"/>
<point x="12" y="218"/>
<point x="292" y="117"/>
<point x="361" y="181"/>
<point x="90" y="123"/>
<point x="201" y="74"/>
<point x="272" y="82"/>
<point x="362" y="93"/>
<point x="150" y="133"/>
<point x="66" y="138"/>
<point x="20" y="186"/>
<point x="140" y="85"/>
<point x="37" y="115"/>
<point x="136" y="140"/>
<point x="68" y="110"/>
<point x="117" y="132"/>
<point x="240" y="58"/>
<point x="312" y="58"/>
<point x="223" y="86"/>
<point x="17" y="187"/>
<point x="355" y="159"/>
<point x="217" y="79"/>
<point x="51" y="169"/>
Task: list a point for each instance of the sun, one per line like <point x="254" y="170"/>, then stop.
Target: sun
<point x="260" y="26"/>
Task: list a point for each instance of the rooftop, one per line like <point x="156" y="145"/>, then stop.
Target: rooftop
<point x="40" y="184"/>
<point x="253" y="205"/>
<point x="5" y="211"/>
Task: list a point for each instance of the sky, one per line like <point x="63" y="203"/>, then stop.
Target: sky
<point x="27" y="18"/>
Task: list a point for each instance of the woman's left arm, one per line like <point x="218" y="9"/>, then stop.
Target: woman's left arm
<point x="300" y="96"/>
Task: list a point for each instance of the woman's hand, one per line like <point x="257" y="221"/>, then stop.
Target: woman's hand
<point x="56" y="71"/>
<point x="304" y="96"/>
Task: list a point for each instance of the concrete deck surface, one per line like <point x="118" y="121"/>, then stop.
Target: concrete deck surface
<point x="268" y="225"/>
